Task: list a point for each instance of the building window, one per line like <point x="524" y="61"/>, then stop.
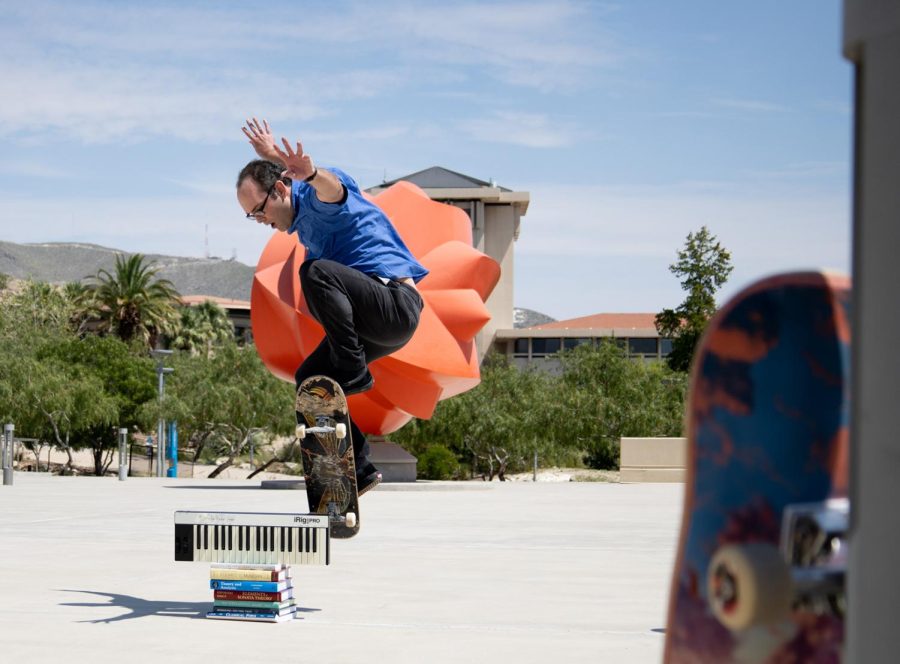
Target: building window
<point x="520" y="348"/>
<point x="642" y="346"/>
<point x="542" y="347"/>
<point x="665" y="347"/>
<point x="571" y="343"/>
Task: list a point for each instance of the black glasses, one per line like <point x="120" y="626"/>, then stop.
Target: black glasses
<point x="261" y="208"/>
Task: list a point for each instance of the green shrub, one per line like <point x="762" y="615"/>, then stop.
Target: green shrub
<point x="437" y="463"/>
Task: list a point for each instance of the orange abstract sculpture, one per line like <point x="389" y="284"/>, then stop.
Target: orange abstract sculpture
<point x="440" y="360"/>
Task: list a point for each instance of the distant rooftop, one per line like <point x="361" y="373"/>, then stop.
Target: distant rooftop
<point x="603" y="321"/>
<point x="438" y="177"/>
<point x="442" y="184"/>
<point x="225" y="303"/>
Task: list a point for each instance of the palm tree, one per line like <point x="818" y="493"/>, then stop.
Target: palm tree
<point x="132" y="304"/>
<point x="202" y="327"/>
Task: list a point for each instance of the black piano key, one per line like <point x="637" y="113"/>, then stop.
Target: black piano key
<point x="184" y="542"/>
<point x="258" y="538"/>
<point x="315" y="542"/>
<point x="206" y="537"/>
<point x="290" y="542"/>
<point x="216" y="537"/>
<point x="271" y="538"/>
<point x="230" y="538"/>
<point x="282" y="539"/>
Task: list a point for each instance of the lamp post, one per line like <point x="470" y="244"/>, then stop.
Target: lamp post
<point x="161" y="371"/>
<point x="6" y="459"/>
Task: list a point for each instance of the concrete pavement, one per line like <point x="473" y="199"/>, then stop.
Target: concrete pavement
<point x="513" y="572"/>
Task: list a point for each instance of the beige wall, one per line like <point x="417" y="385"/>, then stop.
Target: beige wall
<point x="652" y="459"/>
<point x="500" y="224"/>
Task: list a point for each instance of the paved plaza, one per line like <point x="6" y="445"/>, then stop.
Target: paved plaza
<point x="440" y="572"/>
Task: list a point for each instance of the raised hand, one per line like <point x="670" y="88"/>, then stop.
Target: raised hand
<point x="261" y="139"/>
<point x="298" y="166"/>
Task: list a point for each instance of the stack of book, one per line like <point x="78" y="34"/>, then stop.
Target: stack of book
<point x="252" y="592"/>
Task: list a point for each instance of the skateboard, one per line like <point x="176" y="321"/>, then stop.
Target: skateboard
<point x="761" y="562"/>
<point x="323" y="428"/>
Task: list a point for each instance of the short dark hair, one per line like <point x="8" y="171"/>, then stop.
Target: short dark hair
<point x="266" y="173"/>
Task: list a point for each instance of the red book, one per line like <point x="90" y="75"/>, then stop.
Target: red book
<point x="254" y="596"/>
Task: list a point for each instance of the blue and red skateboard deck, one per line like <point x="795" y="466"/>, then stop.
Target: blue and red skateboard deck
<point x="762" y="552"/>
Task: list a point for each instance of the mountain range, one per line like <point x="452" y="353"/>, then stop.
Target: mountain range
<point x="59" y="262"/>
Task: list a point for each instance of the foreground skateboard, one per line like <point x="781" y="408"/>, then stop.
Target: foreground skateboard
<point x="759" y="574"/>
<point x="323" y="428"/>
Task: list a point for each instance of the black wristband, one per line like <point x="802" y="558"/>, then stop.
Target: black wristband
<point x="313" y="176"/>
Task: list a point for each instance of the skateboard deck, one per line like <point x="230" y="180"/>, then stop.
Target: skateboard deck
<point x="323" y="427"/>
<point x="759" y="572"/>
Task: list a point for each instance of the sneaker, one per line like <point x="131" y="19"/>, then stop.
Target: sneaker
<point x="367" y="478"/>
<point x="359" y="384"/>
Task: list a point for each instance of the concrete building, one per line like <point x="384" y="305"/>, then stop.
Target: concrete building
<point x="536" y="346"/>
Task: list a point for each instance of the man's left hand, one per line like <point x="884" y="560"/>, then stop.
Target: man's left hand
<point x="298" y="166"/>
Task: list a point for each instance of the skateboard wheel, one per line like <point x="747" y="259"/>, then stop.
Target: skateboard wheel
<point x="747" y="585"/>
<point x="351" y="519"/>
<point x="340" y="430"/>
<point x="300" y="431"/>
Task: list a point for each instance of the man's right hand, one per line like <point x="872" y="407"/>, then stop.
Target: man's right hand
<point x="261" y="139"/>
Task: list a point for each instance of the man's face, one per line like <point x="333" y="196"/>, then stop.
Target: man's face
<point x="273" y="210"/>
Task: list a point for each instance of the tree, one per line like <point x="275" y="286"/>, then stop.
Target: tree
<point x="498" y="425"/>
<point x="606" y="395"/>
<point x="703" y="266"/>
<point x="224" y="401"/>
<point x="131" y="303"/>
<point x="122" y="378"/>
<point x="202" y="327"/>
<point x="61" y="388"/>
<point x="600" y="396"/>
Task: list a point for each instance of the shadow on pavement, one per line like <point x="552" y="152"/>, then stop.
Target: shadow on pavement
<point x="141" y="608"/>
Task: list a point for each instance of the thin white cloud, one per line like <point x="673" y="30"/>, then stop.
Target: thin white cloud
<point x="101" y="73"/>
<point x="754" y="105"/>
<point x="531" y="130"/>
<point x="838" y="107"/>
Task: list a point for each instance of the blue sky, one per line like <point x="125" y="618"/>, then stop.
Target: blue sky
<point x="630" y="124"/>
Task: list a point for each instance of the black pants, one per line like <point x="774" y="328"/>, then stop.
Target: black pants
<point x="364" y="319"/>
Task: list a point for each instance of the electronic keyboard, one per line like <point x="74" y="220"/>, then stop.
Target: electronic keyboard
<point x="252" y="537"/>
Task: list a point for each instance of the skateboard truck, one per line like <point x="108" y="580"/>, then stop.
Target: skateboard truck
<point x="335" y="516"/>
<point x="756" y="583"/>
<point x="339" y="429"/>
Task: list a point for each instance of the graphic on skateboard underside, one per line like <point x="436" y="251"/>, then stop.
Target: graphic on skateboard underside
<point x="327" y="455"/>
<point x="767" y="428"/>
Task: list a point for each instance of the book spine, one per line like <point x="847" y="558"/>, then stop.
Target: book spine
<point x="258" y="586"/>
<point x="225" y="604"/>
<point x="253" y="596"/>
<point x="272" y="567"/>
<point x="268" y="617"/>
<point x="245" y="575"/>
<point x="269" y="612"/>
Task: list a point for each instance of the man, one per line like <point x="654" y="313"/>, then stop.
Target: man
<point x="358" y="279"/>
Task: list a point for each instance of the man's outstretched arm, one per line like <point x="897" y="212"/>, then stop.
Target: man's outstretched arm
<point x="298" y="165"/>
